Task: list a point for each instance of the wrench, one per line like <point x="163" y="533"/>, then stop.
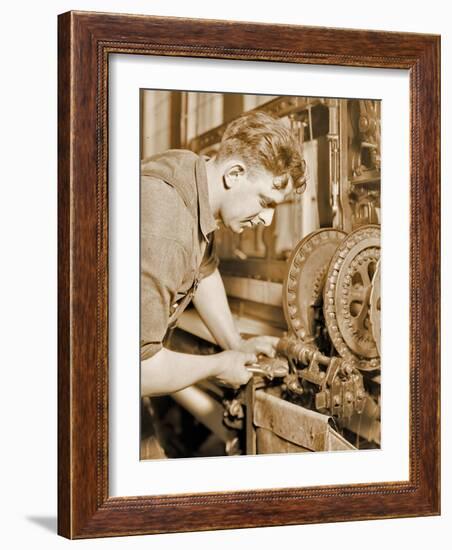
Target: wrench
<point x="270" y="368"/>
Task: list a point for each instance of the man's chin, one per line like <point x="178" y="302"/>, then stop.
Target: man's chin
<point x="235" y="227"/>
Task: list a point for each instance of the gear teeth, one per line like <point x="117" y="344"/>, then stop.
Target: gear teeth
<point x="350" y="335"/>
<point x="300" y="261"/>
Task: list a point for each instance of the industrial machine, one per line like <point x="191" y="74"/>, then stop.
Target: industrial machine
<point x="312" y="280"/>
<point x="322" y="390"/>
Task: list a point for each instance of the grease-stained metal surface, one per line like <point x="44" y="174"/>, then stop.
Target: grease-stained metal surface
<point x="297" y="425"/>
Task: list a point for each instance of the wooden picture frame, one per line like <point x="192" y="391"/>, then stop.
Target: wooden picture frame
<point x="85" y="42"/>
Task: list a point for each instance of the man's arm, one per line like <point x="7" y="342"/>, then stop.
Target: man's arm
<point x="164" y="261"/>
<point x="169" y="371"/>
<point x="212" y="305"/>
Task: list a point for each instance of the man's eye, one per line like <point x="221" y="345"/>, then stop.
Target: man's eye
<point x="267" y="203"/>
<point x="280" y="185"/>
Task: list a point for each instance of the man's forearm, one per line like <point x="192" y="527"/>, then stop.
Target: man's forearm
<point x="168" y="371"/>
<point x="212" y="305"/>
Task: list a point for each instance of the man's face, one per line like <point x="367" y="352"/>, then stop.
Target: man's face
<point x="251" y="198"/>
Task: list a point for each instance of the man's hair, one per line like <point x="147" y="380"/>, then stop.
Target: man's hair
<point x="262" y="140"/>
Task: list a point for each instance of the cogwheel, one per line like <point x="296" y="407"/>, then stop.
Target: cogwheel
<point x="347" y="292"/>
<point x="303" y="286"/>
<point x="375" y="307"/>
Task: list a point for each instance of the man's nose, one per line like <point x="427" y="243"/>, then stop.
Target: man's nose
<point x="266" y="216"/>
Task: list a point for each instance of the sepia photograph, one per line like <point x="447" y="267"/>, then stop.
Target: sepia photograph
<point x="222" y="208"/>
<point x="260" y="274"/>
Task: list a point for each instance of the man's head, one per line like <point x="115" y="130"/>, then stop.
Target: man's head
<point x="260" y="163"/>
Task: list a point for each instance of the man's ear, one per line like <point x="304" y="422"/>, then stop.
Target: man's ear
<point x="233" y="174"/>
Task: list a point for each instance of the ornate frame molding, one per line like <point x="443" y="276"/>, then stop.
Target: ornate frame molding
<point x="85" y="42"/>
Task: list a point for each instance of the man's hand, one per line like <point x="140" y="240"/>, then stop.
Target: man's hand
<point x="260" y="344"/>
<point x="231" y="367"/>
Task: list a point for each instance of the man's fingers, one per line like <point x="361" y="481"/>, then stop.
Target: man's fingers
<point x="266" y="345"/>
<point x="250" y="358"/>
<point x="273" y="340"/>
<point x="266" y="348"/>
<point x="248" y="376"/>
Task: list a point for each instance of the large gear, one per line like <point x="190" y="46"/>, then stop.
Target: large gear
<point x="375" y="307"/>
<point x="303" y="286"/>
<point x="347" y="293"/>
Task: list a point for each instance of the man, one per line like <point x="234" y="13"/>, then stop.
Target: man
<point x="184" y="197"/>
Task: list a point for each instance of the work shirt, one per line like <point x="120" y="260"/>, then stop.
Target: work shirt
<point x="177" y="246"/>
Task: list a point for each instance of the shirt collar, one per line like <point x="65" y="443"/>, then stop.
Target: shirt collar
<point x="207" y="222"/>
